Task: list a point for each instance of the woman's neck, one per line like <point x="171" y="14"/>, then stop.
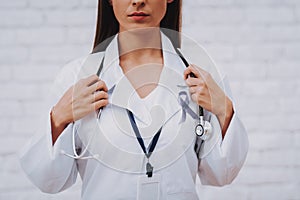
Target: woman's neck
<point x="140" y="46"/>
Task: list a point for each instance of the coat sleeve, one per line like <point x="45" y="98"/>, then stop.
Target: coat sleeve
<point x="45" y="165"/>
<point x="224" y="160"/>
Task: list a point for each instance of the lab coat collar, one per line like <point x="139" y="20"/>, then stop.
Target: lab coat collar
<point x="111" y="64"/>
<point x="124" y="94"/>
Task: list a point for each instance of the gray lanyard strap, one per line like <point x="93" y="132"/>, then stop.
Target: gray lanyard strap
<point x="149" y="167"/>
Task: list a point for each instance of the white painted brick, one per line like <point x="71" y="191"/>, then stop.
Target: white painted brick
<point x="58" y="54"/>
<point x="297" y="12"/>
<point x="254" y="53"/>
<point x="275" y="191"/>
<point x="15" y="91"/>
<point x="273" y="158"/>
<point x="260" y="2"/>
<point x="261" y="141"/>
<point x="292" y="51"/>
<point x="13" y="4"/>
<point x="283" y="33"/>
<point x="216" y="16"/>
<point x="24" y="127"/>
<point x="71" y="17"/>
<point x="12" y="181"/>
<point x="26" y="190"/>
<point x="258" y="105"/>
<point x="253" y="33"/>
<point x="7" y="37"/>
<point x="35" y="108"/>
<point x="228" y="34"/>
<point x="33" y="193"/>
<point x="189" y="4"/>
<point x="44" y="91"/>
<point x="20" y="18"/>
<point x="239" y="71"/>
<point x="236" y="88"/>
<point x="89" y="4"/>
<point x="40" y="36"/>
<point x="11" y="164"/>
<point x="261" y="34"/>
<point x="291" y="2"/>
<point x="58" y="4"/>
<point x="80" y="36"/>
<point x="5" y="73"/>
<point x="276" y="122"/>
<point x="220" y="53"/>
<point x="284" y="70"/>
<point x="5" y="124"/>
<point x="10" y="108"/>
<point x="13" y="55"/>
<point x="250" y="121"/>
<point x="226" y="192"/>
<point x="35" y="73"/>
<point x="297" y="139"/>
<point x="265" y="15"/>
<point x="11" y="144"/>
<point x="290" y="105"/>
<point x="297" y="86"/>
<point x="268" y="89"/>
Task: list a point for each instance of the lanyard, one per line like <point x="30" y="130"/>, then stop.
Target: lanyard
<point x="151" y="147"/>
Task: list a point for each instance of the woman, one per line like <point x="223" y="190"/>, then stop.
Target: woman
<point x="144" y="92"/>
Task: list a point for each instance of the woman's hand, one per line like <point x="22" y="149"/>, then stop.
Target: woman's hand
<point x="206" y="93"/>
<point x="87" y="95"/>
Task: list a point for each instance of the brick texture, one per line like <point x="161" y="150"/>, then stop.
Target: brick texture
<point x="256" y="42"/>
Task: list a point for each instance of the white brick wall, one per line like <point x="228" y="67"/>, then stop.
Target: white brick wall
<point x="257" y="42"/>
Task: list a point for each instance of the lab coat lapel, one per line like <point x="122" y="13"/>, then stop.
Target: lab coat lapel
<point x="125" y="96"/>
<point x="171" y="80"/>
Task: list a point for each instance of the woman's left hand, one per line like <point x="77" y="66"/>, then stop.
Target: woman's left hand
<point x="207" y="93"/>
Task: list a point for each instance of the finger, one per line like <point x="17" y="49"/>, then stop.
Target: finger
<point x="91" y="80"/>
<point x="187" y="73"/>
<point x="100" y="104"/>
<point x="197" y="71"/>
<point x="99" y="95"/>
<point x="194" y="97"/>
<point x="193" y="82"/>
<point x="99" y="85"/>
<point x="193" y="89"/>
<point x="201" y="72"/>
<point x="192" y="69"/>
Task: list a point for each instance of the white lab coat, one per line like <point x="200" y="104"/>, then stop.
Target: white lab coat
<point x="113" y="161"/>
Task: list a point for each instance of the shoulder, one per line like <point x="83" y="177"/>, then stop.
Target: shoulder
<point x="71" y="69"/>
<point x="197" y="54"/>
<point x="73" y="66"/>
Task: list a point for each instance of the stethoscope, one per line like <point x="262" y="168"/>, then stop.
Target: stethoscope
<point x="203" y="129"/>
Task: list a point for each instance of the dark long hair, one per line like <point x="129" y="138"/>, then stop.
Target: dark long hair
<point x="108" y="26"/>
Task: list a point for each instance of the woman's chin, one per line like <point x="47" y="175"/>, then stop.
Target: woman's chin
<point x="139" y="28"/>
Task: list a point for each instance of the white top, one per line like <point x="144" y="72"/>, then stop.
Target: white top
<point x="112" y="159"/>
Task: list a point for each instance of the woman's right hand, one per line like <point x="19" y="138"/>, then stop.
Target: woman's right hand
<point x="87" y="95"/>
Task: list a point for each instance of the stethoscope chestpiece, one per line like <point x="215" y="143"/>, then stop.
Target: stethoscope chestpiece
<point x="203" y="129"/>
<point x="199" y="130"/>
